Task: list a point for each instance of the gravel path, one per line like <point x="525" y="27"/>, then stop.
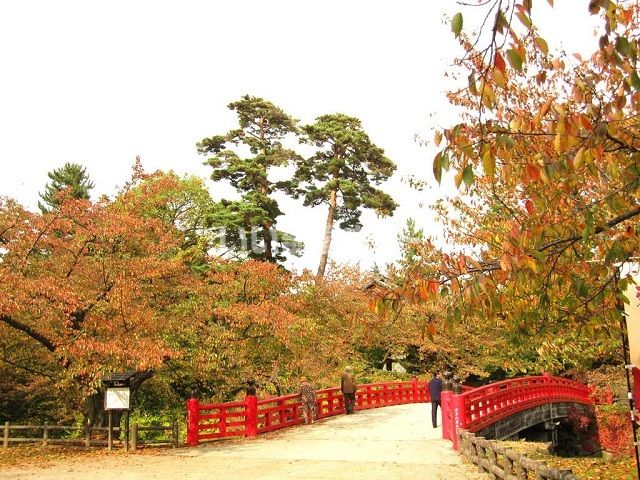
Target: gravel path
<point x="391" y="443"/>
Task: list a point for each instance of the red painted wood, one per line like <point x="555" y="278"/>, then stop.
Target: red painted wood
<point x="486" y="405"/>
<point x="476" y="407"/>
<point x="192" y="422"/>
<point x="446" y="412"/>
<point x="459" y="420"/>
<point x="251" y="416"/>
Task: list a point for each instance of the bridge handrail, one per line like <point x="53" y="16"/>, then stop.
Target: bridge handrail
<point x="209" y="421"/>
<point x="486" y="405"/>
<point x="481" y="407"/>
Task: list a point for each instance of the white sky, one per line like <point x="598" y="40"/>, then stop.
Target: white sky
<point x="97" y="83"/>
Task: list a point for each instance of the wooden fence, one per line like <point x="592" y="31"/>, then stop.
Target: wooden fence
<point x="85" y="436"/>
<point x="505" y="464"/>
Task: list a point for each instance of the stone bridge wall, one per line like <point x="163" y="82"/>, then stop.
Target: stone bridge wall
<point x="510" y="426"/>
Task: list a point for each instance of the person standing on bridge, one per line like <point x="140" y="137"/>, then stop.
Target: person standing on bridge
<point x="308" y="397"/>
<point x="348" y="388"/>
<point x="435" y="389"/>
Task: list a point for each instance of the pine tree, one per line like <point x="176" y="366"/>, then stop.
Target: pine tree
<point x="343" y="173"/>
<point x="69" y="181"/>
<point x="263" y="127"/>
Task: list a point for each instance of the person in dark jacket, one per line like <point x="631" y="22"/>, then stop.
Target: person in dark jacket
<point x="348" y="388"/>
<point x="435" y="388"/>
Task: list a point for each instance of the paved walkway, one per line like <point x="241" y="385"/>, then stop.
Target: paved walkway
<point x="391" y="443"/>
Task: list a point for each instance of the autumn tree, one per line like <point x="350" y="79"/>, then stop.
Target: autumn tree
<point x="244" y="157"/>
<point x="256" y="321"/>
<point x="185" y="204"/>
<point x="70" y="181"/>
<point x="89" y="288"/>
<point x="545" y="155"/>
<point x="343" y="173"/>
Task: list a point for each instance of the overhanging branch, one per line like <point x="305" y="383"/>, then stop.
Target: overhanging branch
<point x="38" y="337"/>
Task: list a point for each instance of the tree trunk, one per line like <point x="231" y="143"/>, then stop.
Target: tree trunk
<point x="268" y="249"/>
<point x="333" y="202"/>
<point x="266" y="226"/>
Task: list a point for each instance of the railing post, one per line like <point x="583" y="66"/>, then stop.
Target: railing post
<point x="415" y="390"/>
<point x="5" y="442"/>
<point x="459" y="420"/>
<point x="445" y="409"/>
<point x="193" y="420"/>
<point x="45" y="434"/>
<point x="251" y="416"/>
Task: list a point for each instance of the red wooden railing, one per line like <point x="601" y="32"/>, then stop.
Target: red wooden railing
<point x="480" y="407"/>
<point x="473" y="410"/>
<point x="210" y="421"/>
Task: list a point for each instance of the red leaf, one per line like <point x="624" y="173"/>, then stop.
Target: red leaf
<point x="528" y="204"/>
<point x="533" y="171"/>
<point x="499" y="62"/>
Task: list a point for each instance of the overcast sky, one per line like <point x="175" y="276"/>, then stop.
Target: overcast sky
<point x="97" y="83"/>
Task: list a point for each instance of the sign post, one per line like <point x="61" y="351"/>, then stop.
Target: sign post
<point x="117" y="397"/>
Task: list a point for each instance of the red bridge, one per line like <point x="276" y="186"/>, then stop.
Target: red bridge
<point x="495" y="410"/>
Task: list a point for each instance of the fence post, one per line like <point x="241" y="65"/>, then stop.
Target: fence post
<point x="459" y="420"/>
<point x="110" y="432"/>
<point x="174" y="431"/>
<point x="416" y="392"/>
<point x="134" y="436"/>
<point x="126" y="431"/>
<point x="87" y="434"/>
<point x="251" y="415"/>
<point x="193" y="412"/>
<point x="5" y="443"/>
<point x="45" y="434"/>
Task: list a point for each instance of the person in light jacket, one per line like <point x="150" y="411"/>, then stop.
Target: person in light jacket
<point x="308" y="397"/>
<point x="348" y="388"/>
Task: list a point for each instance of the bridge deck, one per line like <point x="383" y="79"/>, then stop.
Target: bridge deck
<point x="386" y="443"/>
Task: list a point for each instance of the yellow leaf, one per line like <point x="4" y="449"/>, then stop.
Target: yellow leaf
<point x="560" y="143"/>
<point x="498" y="78"/>
<point x="559" y="109"/>
<point x="531" y="263"/>
<point x="458" y="178"/>
<point x="578" y="159"/>
<point x="542" y="45"/>
<point x="544" y="175"/>
<point x="488" y="162"/>
<point x="545" y="107"/>
<point x="505" y="262"/>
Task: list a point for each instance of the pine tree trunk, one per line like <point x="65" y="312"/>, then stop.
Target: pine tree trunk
<point x="265" y="190"/>
<point x="333" y="201"/>
<point x="268" y="249"/>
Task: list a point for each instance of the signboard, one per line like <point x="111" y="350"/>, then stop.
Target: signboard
<point x="117" y="398"/>
<point x="632" y="309"/>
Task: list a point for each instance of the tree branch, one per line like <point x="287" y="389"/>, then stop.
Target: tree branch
<point x="38" y="337"/>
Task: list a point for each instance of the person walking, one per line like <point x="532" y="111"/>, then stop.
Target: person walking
<point x="435" y="389"/>
<point x="308" y="397"/>
<point x="348" y="388"/>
